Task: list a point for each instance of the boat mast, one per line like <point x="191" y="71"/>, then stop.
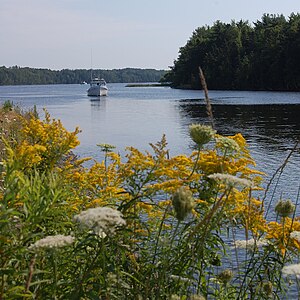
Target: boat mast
<point x="91" y="64"/>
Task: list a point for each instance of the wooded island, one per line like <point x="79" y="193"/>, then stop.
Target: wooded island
<point x="239" y="56"/>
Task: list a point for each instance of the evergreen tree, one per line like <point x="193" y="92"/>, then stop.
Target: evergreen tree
<point x="265" y="56"/>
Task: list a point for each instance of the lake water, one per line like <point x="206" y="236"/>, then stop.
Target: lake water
<point x="270" y="121"/>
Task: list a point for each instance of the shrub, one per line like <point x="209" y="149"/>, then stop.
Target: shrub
<point x="147" y="226"/>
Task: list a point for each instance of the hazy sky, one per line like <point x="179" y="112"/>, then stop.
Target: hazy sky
<point x="58" y="34"/>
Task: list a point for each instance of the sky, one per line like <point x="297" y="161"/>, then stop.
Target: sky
<point x="114" y="34"/>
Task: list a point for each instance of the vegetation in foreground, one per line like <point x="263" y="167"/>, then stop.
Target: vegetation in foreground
<point x="144" y="226"/>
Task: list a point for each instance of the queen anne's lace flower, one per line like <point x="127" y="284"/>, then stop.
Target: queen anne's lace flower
<point x="179" y="278"/>
<point x="54" y="241"/>
<point x="102" y="220"/>
<point x="250" y="244"/>
<point x="295" y="235"/>
<point x="291" y="270"/>
<point x="196" y="297"/>
<point x="231" y="180"/>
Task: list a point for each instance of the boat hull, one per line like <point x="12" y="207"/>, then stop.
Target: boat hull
<point x="97" y="88"/>
<point x="96" y="91"/>
<point x="103" y="91"/>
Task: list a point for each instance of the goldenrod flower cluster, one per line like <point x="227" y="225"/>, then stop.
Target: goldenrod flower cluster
<point x="144" y="183"/>
<point x="44" y="142"/>
<point x="143" y="193"/>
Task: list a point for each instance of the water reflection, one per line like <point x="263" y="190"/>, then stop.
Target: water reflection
<point x="258" y="123"/>
<point x="271" y="130"/>
<point x="97" y="103"/>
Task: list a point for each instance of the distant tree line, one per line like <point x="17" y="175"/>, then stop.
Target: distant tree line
<point x="264" y="56"/>
<point x="24" y="75"/>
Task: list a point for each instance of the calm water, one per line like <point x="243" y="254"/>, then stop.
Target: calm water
<point x="270" y="121"/>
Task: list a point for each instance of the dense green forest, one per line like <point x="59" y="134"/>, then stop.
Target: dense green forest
<point x="261" y="56"/>
<point x="17" y="75"/>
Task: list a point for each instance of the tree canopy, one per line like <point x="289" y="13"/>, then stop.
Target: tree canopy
<point x="25" y="75"/>
<point x="238" y="55"/>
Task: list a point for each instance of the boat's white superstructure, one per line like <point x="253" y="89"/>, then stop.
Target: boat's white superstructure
<point x="97" y="88"/>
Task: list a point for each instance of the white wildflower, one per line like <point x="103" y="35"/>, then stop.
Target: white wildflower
<point x="112" y="278"/>
<point x="196" y="297"/>
<point x="54" y="241"/>
<point x="179" y="278"/>
<point x="102" y="220"/>
<point x="231" y="180"/>
<point x="295" y="235"/>
<point x="291" y="270"/>
<point x="250" y="244"/>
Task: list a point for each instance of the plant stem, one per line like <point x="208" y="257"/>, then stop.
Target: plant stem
<point x="54" y="265"/>
<point x="30" y="273"/>
<point x="195" y="164"/>
<point x="159" y="233"/>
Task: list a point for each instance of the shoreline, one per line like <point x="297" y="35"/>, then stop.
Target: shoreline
<point x="147" y="85"/>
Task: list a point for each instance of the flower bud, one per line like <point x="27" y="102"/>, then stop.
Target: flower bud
<point x="183" y="202"/>
<point x="225" y="276"/>
<point x="284" y="208"/>
<point x="106" y="147"/>
<point x="267" y="287"/>
<point x="201" y="134"/>
<point x="197" y="297"/>
<point x="227" y="145"/>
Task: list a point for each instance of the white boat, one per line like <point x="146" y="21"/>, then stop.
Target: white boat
<point x="97" y="88"/>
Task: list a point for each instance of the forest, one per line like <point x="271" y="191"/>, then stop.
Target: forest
<point x="264" y="55"/>
<point x="25" y="76"/>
